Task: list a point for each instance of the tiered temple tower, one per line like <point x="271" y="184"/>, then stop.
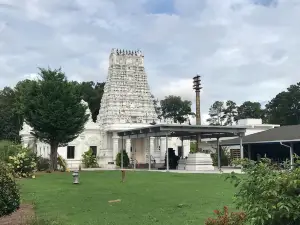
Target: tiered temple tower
<point x="126" y="102"/>
<point x="126" y="98"/>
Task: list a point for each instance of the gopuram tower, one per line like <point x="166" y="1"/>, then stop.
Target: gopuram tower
<point x="126" y="101"/>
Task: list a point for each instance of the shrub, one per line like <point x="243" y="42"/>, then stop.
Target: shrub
<point x="23" y="163"/>
<point x="225" y="157"/>
<point x="89" y="160"/>
<point x="43" y="164"/>
<point x="193" y="147"/>
<point x="9" y="192"/>
<point x="224" y="218"/>
<point x="268" y="196"/>
<point x="8" y="148"/>
<point x="125" y="159"/>
<point x="61" y="162"/>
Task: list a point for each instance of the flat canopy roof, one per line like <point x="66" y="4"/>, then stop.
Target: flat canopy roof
<point x="185" y="131"/>
<point x="273" y="135"/>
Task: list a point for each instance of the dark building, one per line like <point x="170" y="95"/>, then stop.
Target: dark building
<point x="278" y="144"/>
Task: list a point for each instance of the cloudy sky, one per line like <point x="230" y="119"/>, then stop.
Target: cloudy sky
<point x="244" y="49"/>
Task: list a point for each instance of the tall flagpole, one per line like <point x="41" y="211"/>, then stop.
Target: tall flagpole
<point x="197" y="87"/>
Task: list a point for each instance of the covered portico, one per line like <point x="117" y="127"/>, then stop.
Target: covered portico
<point x="277" y="144"/>
<point x="185" y="132"/>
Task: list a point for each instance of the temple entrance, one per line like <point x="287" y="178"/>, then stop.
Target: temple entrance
<point x="139" y="149"/>
<point x="180" y="151"/>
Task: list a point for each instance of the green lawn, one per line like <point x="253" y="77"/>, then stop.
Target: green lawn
<point x="146" y="197"/>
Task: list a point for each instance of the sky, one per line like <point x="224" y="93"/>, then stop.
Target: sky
<point x="243" y="49"/>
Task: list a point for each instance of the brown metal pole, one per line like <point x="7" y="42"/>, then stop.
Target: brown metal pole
<point x="198" y="115"/>
<point x="198" y="119"/>
<point x="197" y="87"/>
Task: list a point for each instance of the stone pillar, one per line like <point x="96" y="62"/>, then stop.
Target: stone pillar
<point x="241" y="146"/>
<point x="115" y="146"/>
<point x="292" y="154"/>
<point x="152" y="145"/>
<point x="186" y="148"/>
<point x="104" y="138"/>
<point x="128" y="147"/>
<point x="81" y="148"/>
<point x="162" y="149"/>
<point x="219" y="153"/>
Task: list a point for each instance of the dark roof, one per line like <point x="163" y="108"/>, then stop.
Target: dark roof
<point x="187" y="131"/>
<point x="279" y="134"/>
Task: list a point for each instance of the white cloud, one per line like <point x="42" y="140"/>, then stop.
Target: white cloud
<point x="244" y="51"/>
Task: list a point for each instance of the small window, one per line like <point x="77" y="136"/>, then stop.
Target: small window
<point x="94" y="150"/>
<point x="70" y="152"/>
<point x="235" y="154"/>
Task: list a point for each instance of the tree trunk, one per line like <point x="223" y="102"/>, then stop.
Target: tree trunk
<point x="53" y="156"/>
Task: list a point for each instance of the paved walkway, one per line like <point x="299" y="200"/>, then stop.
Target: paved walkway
<point x="216" y="171"/>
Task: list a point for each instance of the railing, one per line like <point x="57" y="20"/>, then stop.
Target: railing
<point x="152" y="160"/>
<point x="132" y="161"/>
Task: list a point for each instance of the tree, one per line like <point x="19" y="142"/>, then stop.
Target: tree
<point x="284" y="108"/>
<point x="156" y="106"/>
<point x="250" y="110"/>
<point x="193" y="147"/>
<point x="230" y="112"/>
<point x="52" y="107"/>
<point x="92" y="93"/>
<point x="216" y="113"/>
<point x="10" y="120"/>
<point x="175" y="108"/>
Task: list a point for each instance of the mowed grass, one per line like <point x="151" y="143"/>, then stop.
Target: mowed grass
<point x="146" y="197"/>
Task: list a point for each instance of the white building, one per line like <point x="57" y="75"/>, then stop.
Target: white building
<point x="126" y="104"/>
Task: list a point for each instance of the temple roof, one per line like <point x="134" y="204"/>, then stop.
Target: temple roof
<point x="185" y="131"/>
<point x="279" y="134"/>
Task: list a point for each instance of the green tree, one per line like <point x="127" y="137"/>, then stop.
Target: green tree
<point x="216" y="114"/>
<point x="284" y="108"/>
<point x="173" y="107"/>
<point x="229" y="112"/>
<point x="52" y="107"/>
<point x="250" y="110"/>
<point x="10" y="119"/>
<point x="156" y="106"/>
<point x="193" y="147"/>
<point x="92" y="93"/>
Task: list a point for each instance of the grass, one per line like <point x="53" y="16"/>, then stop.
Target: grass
<point x="146" y="197"/>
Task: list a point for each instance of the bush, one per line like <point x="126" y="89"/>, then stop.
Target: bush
<point x="9" y="192"/>
<point x="89" y="160"/>
<point x="193" y="147"/>
<point x="224" y="218"/>
<point x="61" y="162"/>
<point x="268" y="196"/>
<point x="23" y="163"/>
<point x="43" y="164"/>
<point x="8" y="148"/>
<point x="125" y="159"/>
<point x="225" y="157"/>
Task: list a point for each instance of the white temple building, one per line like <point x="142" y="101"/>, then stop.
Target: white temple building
<point x="126" y="104"/>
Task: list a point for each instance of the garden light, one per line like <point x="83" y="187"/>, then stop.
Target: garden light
<point x="75" y="177"/>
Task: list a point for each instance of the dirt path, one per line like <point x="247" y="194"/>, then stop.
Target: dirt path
<point x="19" y="217"/>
